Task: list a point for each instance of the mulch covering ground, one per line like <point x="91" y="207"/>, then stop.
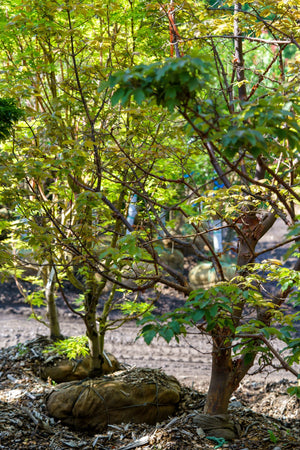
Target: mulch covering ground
<point x="267" y="418"/>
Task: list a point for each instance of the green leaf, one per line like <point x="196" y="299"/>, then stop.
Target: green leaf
<point x="73" y="347"/>
<point x="171" y="92"/>
<point x="118" y="96"/>
<point x="248" y="358"/>
<point x="295" y="390"/>
<point x="214" y="310"/>
<point x="175" y="326"/>
<point x="149" y="335"/>
<point x="166" y="332"/>
<point x="139" y="96"/>
<point x="198" y="315"/>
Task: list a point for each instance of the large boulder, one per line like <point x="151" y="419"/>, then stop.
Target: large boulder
<point x="64" y="370"/>
<point x="204" y="275"/>
<point x="173" y="258"/>
<point x="135" y="395"/>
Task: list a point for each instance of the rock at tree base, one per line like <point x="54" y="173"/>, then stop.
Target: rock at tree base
<point x="66" y="370"/>
<point x="135" y="395"/>
<point x="218" y="426"/>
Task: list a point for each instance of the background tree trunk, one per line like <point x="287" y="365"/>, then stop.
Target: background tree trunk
<point x="52" y="313"/>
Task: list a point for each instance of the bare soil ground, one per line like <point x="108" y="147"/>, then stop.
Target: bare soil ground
<point x="268" y="417"/>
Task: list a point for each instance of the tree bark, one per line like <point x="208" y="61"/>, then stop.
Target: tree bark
<point x="52" y="313"/>
<point x="238" y="54"/>
<point x="92" y="333"/>
<point x="220" y="388"/>
<point x="226" y="373"/>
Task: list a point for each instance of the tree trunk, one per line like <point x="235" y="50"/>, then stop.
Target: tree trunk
<point x="91" y="301"/>
<point x="220" y="388"/>
<point x="52" y="313"/>
<point x="226" y="374"/>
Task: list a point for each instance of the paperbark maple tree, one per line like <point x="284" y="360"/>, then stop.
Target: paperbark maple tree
<point x="91" y="142"/>
<point x="255" y="159"/>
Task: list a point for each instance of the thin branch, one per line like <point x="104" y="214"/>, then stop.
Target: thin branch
<point x="218" y="62"/>
<point x="238" y="54"/>
<point x="277" y="355"/>
<point x="262" y="76"/>
<point x="248" y="38"/>
<point x="73" y="56"/>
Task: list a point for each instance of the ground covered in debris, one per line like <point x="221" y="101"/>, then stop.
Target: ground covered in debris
<point x="264" y="415"/>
